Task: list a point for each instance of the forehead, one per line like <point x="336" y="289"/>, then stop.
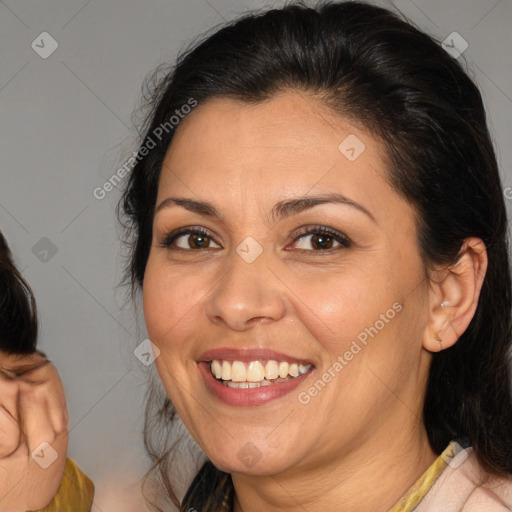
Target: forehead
<point x="286" y="146"/>
<point x="289" y="123"/>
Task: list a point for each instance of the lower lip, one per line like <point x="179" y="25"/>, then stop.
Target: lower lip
<point x="249" y="396"/>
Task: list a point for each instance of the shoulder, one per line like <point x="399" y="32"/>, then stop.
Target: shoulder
<point x="76" y="491"/>
<point x="497" y="490"/>
<point x="464" y="486"/>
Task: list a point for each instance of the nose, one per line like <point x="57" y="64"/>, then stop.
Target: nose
<point x="246" y="294"/>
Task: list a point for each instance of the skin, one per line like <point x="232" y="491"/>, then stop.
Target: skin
<point x="32" y="411"/>
<point x="355" y="432"/>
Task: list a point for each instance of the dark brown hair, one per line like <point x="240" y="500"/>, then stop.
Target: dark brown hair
<point x="369" y="65"/>
<point x="18" y="313"/>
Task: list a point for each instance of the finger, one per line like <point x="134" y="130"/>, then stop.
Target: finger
<point x="35" y="421"/>
<point x="9" y="395"/>
<point x="26" y="366"/>
<point x="50" y="384"/>
<point x="57" y="408"/>
<point x="30" y="369"/>
<point x="10" y="434"/>
<point x="10" y="437"/>
<point x="7" y="374"/>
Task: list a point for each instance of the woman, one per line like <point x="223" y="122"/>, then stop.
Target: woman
<point x="34" y="470"/>
<point x="319" y="236"/>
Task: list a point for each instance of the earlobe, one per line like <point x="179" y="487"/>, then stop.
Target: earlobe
<point x="439" y="339"/>
<point x="454" y="296"/>
<point x="443" y="338"/>
<point x="437" y="336"/>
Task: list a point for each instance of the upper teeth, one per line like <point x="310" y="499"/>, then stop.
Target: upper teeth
<point x="256" y="371"/>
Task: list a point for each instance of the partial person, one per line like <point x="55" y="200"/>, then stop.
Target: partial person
<point x="35" y="472"/>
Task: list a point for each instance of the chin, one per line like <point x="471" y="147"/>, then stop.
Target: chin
<point x="250" y="459"/>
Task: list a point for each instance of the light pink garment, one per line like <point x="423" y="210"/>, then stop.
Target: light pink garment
<point x="464" y="486"/>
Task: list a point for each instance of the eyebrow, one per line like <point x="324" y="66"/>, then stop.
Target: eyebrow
<point x="280" y="210"/>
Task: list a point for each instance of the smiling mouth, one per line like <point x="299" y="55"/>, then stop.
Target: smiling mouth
<point x="255" y="374"/>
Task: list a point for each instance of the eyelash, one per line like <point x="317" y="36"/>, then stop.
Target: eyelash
<point x="342" y="239"/>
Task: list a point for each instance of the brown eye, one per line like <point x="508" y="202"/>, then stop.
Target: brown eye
<point x="189" y="239"/>
<point x="194" y="241"/>
<point x="321" y="239"/>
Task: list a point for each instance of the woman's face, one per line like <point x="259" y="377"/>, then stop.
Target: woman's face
<point x="256" y="292"/>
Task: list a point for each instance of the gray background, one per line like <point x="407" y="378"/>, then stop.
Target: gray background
<point x="66" y="128"/>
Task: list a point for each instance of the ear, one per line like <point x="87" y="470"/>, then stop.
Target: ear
<point x="453" y="296"/>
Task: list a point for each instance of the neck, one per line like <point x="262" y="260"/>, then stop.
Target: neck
<point x="372" y="476"/>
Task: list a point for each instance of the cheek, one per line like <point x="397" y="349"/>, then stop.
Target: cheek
<point x="368" y="319"/>
<point x="168" y="311"/>
<point x="169" y="299"/>
<point x="340" y="304"/>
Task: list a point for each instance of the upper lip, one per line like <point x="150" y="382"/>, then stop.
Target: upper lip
<point x="247" y="355"/>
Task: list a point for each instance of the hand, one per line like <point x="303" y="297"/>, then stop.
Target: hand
<point x="32" y="411"/>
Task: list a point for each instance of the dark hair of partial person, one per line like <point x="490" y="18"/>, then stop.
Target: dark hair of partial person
<point x="18" y="313"/>
<point x="368" y="65"/>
